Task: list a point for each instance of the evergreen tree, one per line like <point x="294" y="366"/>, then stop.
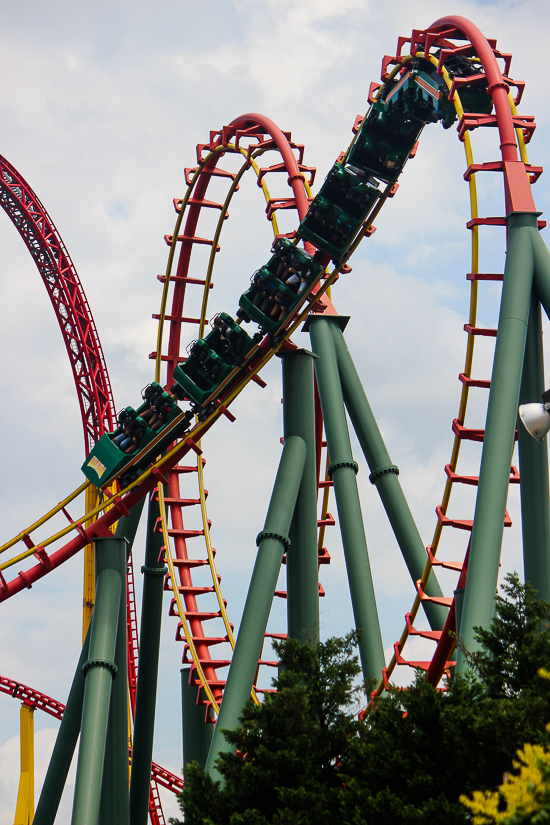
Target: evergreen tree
<point x="290" y="751"/>
<point x="514" y="648"/>
<point x="303" y="756"/>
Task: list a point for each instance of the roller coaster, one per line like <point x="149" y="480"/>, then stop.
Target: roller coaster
<point x="450" y="74"/>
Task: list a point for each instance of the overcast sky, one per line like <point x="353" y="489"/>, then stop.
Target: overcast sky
<point x="102" y="106"/>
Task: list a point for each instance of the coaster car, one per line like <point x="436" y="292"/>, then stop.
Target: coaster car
<point x="137" y="430"/>
<point x="211" y="360"/>
<point x="336" y="214"/>
<point x="277" y="286"/>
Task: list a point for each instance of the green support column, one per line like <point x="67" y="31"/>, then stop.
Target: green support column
<point x="302" y="559"/>
<point x="116" y="768"/>
<point x="533" y="462"/>
<point x="343" y="469"/>
<point x="63" y="750"/>
<point x="498" y="443"/>
<point x="113" y="554"/>
<point x="197" y="734"/>
<point x="127" y="525"/>
<point x="541" y="257"/>
<point x="272" y="542"/>
<point x="146" y="692"/>
<point x="384" y="475"/>
<point x="100" y="670"/>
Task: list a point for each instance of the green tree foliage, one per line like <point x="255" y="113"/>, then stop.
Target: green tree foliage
<point x="514" y="648"/>
<point x="303" y="756"/>
<point x="289" y="750"/>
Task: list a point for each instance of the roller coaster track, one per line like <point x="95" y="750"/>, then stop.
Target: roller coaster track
<point x="247" y="136"/>
<point x="88" y="365"/>
<point x="514" y="131"/>
<point x="68" y="300"/>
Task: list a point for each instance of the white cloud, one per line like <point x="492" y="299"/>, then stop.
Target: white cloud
<point x="102" y="108"/>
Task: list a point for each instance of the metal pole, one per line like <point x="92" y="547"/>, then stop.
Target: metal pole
<point x="99" y="669"/>
<point x="498" y="442"/>
<point x="302" y="559"/>
<point x="89" y="573"/>
<point x="146" y="691"/>
<point x="343" y="469"/>
<point x="114" y="806"/>
<point x="533" y="460"/>
<point x="24" y="809"/>
<point x="541" y="278"/>
<point x="197" y="733"/>
<point x="384" y="475"/>
<point x="113" y="554"/>
<point x="65" y="743"/>
<point x="272" y="542"/>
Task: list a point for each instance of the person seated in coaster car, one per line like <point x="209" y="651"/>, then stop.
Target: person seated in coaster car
<point x="133" y="428"/>
<point x="351" y="189"/>
<point x="276" y="286"/>
<point x="228" y="340"/>
<point x="126" y="440"/>
<point x="386" y="161"/>
<point x="291" y="279"/>
<point x="335" y="228"/>
<point x="201" y="352"/>
<point x="281" y="302"/>
<point x="156" y="414"/>
<point x="203" y="360"/>
<point x="265" y="289"/>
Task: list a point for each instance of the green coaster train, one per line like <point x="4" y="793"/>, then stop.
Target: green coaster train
<point x="384" y="141"/>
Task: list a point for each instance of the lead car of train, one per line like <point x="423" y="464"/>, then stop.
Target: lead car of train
<point x="383" y="143"/>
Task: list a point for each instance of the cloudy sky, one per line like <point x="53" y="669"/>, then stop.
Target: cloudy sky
<point x="102" y="105"/>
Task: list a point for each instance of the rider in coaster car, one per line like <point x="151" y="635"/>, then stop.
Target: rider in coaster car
<point x="296" y="281"/>
<point x="229" y="338"/>
<point x="266" y="292"/>
<point x="336" y="229"/>
<point x="213" y="364"/>
<point x="281" y="302"/>
<point x="128" y="440"/>
<point x="155" y="416"/>
<point x="385" y="161"/>
<point x="199" y="350"/>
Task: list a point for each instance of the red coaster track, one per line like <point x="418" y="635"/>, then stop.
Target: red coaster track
<point x="259" y="134"/>
<point x="69" y="303"/>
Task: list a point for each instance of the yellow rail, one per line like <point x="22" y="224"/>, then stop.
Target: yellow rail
<point x="181" y="609"/>
<point x="53" y="512"/>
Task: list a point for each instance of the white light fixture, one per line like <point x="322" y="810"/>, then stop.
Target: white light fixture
<point x="536" y="417"/>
